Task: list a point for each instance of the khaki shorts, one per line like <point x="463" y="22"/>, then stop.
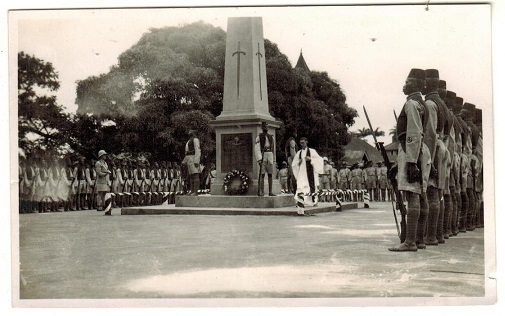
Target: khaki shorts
<point x="268" y="163"/>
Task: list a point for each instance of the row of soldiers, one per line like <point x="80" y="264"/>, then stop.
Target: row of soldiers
<point x="359" y="176"/>
<point x="68" y="185"/>
<point x="440" y="162"/>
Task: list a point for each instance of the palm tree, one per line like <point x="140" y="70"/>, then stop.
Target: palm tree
<point x="365" y="132"/>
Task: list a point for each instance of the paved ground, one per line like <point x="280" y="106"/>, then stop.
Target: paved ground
<point x="87" y="255"/>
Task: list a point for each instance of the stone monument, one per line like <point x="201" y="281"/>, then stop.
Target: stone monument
<point x="245" y="103"/>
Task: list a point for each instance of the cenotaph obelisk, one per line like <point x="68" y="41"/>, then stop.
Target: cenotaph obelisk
<point x="245" y="103"/>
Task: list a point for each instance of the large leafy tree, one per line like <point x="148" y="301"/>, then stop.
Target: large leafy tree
<point x="42" y="123"/>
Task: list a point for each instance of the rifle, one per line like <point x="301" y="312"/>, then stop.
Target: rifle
<point x="259" y="173"/>
<point x="394" y="185"/>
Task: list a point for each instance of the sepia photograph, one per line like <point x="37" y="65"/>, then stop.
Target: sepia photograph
<point x="240" y="156"/>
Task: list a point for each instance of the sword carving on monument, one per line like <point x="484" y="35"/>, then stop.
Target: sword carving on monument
<point x="238" y="52"/>
<point x="259" y="69"/>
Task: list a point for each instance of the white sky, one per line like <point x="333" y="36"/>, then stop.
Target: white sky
<point x="454" y="39"/>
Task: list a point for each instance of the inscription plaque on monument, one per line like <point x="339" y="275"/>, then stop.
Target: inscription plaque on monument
<point x="236" y="152"/>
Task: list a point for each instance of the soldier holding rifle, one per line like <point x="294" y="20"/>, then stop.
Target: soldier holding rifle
<point x="414" y="159"/>
<point x="263" y="149"/>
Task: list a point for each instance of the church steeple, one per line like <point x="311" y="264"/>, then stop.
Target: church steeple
<point x="301" y="63"/>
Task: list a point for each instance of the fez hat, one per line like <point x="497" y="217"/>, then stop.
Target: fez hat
<point x="458" y="104"/>
<point x="442" y="84"/>
<point x="450" y="99"/>
<point x="468" y="110"/>
<point x="416" y="73"/>
<point x="478" y="116"/>
<point x="469" y="107"/>
<point x="432" y="73"/>
<point x="101" y="153"/>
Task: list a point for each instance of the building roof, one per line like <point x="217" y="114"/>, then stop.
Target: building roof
<point x="358" y="150"/>
<point x="301" y="63"/>
<point x="392" y="146"/>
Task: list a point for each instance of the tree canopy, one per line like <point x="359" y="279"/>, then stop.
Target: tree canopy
<point x="41" y="121"/>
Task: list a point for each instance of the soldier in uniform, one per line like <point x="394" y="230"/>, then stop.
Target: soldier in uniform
<point x="464" y="164"/>
<point x="344" y="177"/>
<point x="21" y="185"/>
<point x="370" y="176"/>
<point x="102" y="175"/>
<point x="263" y="149"/>
<point x="333" y="177"/>
<point x="282" y="176"/>
<point x="434" y="124"/>
<point x="139" y="183"/>
<point x="413" y="156"/>
<point x="90" y="185"/>
<point x="64" y="186"/>
<point x="356" y="179"/>
<point x="290" y="150"/>
<point x="28" y="181"/>
<point x="156" y="178"/>
<point x="456" y="164"/>
<point x="78" y="183"/>
<point x="45" y="185"/>
<point x="479" y="180"/>
<point x="450" y="190"/>
<point x="122" y="182"/>
<point x="382" y="180"/>
<point x="474" y="163"/>
<point x="192" y="161"/>
<point x="324" y="178"/>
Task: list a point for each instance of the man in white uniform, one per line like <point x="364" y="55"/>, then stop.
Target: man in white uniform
<point x="307" y="165"/>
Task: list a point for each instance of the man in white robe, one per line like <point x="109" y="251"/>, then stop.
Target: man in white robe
<point x="307" y="165"/>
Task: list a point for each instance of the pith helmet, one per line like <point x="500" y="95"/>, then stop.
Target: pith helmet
<point x="101" y="153"/>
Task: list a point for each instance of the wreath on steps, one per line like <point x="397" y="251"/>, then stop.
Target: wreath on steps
<point x="236" y="182"/>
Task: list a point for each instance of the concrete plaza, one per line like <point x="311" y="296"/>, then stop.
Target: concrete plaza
<point x="85" y="255"/>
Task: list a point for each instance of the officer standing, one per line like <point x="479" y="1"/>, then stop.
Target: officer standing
<point x="102" y="174"/>
<point x="192" y="161"/>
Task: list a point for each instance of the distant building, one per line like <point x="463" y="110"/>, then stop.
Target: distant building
<point x="359" y="151"/>
<point x="301" y="64"/>
<point x="392" y="151"/>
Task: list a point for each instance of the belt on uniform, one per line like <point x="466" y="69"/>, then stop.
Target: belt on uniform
<point x="190" y="152"/>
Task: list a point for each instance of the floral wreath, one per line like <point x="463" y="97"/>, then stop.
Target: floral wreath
<point x="236" y="182"/>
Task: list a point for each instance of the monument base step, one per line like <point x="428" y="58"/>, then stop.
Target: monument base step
<point x="287" y="211"/>
<point x="234" y="201"/>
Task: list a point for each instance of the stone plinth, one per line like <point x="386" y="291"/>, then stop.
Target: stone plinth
<point x="235" y="150"/>
<point x="235" y="201"/>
